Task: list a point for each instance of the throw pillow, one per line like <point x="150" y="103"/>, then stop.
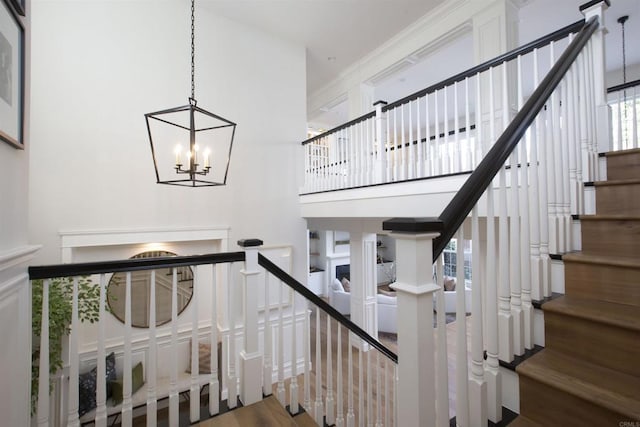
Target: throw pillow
<point x="387" y="293"/>
<point x="204" y="358"/>
<point x="337" y="286"/>
<point x="346" y="284"/>
<point x="137" y="381"/>
<point x="449" y="284"/>
<point x="88" y="381"/>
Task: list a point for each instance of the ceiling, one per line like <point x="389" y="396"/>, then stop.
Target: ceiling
<point x="337" y="33"/>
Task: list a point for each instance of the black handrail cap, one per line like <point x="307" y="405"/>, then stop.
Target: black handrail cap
<point x="593" y="3"/>
<point x="248" y="243"/>
<point x="413" y="225"/>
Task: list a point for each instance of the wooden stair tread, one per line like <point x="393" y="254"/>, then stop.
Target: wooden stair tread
<point x="266" y="413"/>
<point x="523" y="421"/>
<point x="616" y="261"/>
<point x="616" y="182"/>
<point x="614" y="314"/>
<point x="622" y="152"/>
<point x="303" y="419"/>
<point x="601" y="386"/>
<point x="609" y="217"/>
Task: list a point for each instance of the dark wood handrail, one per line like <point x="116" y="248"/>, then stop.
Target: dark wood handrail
<point x="509" y="56"/>
<point x="522" y="50"/>
<point x="355" y="121"/>
<point x="87" y="268"/>
<point x="305" y="292"/>
<point x="623" y="86"/>
<point x="466" y="198"/>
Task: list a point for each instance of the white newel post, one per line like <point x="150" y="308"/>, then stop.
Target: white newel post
<point x="602" y="109"/>
<point x="381" y="143"/>
<point x="416" y="395"/>
<point x="250" y="356"/>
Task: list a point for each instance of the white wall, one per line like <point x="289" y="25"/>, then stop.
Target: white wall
<point x="15" y="254"/>
<point x="99" y="66"/>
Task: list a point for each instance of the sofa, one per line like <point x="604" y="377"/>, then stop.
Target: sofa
<point x="450" y="296"/>
<point x="387" y="313"/>
<point x="339" y="298"/>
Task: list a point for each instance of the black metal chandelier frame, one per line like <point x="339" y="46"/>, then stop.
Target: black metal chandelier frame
<point x="192" y="169"/>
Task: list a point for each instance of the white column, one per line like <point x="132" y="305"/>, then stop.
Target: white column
<point x="250" y="356"/>
<point x="602" y="112"/>
<point x="364" y="310"/>
<point x="416" y="372"/>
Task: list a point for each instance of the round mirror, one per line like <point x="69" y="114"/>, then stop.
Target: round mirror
<point x="141" y="292"/>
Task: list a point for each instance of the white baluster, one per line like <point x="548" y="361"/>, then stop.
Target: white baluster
<point x="294" y="406"/>
<point x="388" y="170"/>
<point x="478" y="408"/>
<point x="194" y="407"/>
<point x="174" y="397"/>
<point x="387" y="396"/>
<point x="339" y="400"/>
<point x="467" y="126"/>
<point x="514" y="237"/>
<point x="411" y="166"/>
<point x="350" y="414"/>
<point x="492" y="371"/>
<point x="524" y="231"/>
<point x="566" y="165"/>
<point x="457" y="150"/>
<point x="127" y="408"/>
<point x="462" y="376"/>
<point x="318" y="410"/>
<point x="505" y="322"/>
<point x="442" y="374"/>
<point x="634" y="118"/>
<point x="428" y="158"/>
<point x="543" y="197"/>
<point x="43" y="374"/>
<point x="378" y="392"/>
<point x="280" y="390"/>
<point x="403" y="149"/>
<point x="214" y="383"/>
<point x="72" y="416"/>
<point x="420" y="148"/>
<point x="577" y="136"/>
<point x="446" y="161"/>
<point x="267" y="381"/>
<point x="329" y="402"/>
<point x="232" y="378"/>
<point x="437" y="158"/>
<point x="152" y="401"/>
<point x="361" y="390"/>
<point x="571" y="136"/>
<point x="307" y="361"/>
<point x="369" y="391"/>
<point x="101" y="383"/>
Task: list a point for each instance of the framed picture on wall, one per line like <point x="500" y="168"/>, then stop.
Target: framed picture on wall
<point x="19" y="6"/>
<point x="11" y="77"/>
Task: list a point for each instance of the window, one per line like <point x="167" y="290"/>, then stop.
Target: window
<point x="451" y="262"/>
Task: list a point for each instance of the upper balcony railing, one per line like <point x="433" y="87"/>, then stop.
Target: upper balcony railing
<point x="441" y="130"/>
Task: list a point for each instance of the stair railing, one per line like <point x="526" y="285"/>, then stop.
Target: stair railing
<point x="516" y="208"/>
<point x="624" y="101"/>
<point x="260" y="346"/>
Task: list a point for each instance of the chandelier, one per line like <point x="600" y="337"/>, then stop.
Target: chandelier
<point x="190" y="146"/>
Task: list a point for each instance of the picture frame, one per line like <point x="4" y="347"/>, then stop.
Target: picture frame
<point x="12" y="75"/>
<point x="19" y="6"/>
